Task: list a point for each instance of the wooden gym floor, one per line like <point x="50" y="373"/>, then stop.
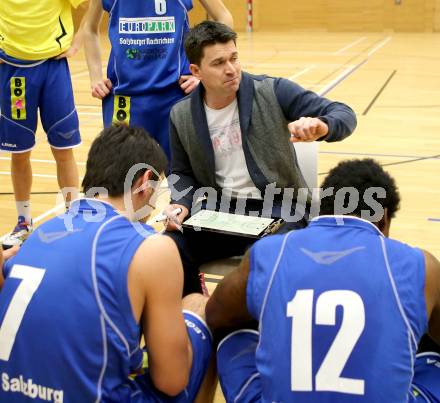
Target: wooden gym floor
<point x="393" y="84"/>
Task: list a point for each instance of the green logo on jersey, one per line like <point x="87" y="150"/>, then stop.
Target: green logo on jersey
<point x="132" y="53"/>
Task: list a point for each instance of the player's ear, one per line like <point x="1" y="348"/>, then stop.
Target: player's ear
<point x="195" y="70"/>
<point x="144" y="182"/>
<point x="148" y="175"/>
<point x="385" y="223"/>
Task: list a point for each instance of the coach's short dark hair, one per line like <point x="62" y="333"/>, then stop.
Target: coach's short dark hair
<point x="116" y="149"/>
<point x="361" y="175"/>
<point x="204" y="34"/>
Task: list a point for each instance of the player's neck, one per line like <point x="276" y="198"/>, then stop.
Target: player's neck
<point x="132" y="208"/>
<point x="116" y="202"/>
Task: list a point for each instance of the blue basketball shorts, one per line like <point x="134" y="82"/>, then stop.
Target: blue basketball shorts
<point x="240" y="380"/>
<point x="150" y="111"/>
<point x="236" y="367"/>
<point x="426" y="381"/>
<point x="25" y="90"/>
<point x="142" y="388"/>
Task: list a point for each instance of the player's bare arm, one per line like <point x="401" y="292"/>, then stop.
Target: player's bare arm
<point x="432" y="295"/>
<point x="227" y="309"/>
<point x="100" y="86"/>
<point x="78" y="38"/>
<point x="155" y="282"/>
<point x="218" y="11"/>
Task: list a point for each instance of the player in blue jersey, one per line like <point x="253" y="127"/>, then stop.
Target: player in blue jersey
<point x="86" y="285"/>
<point x="341" y="307"/>
<point x="147" y="71"/>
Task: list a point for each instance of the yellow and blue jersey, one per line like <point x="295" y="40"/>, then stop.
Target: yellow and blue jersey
<point x="36" y="30"/>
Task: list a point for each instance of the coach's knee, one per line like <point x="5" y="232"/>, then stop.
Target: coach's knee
<point x="195" y="303"/>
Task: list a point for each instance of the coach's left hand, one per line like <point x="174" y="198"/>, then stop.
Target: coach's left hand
<point x="307" y="130"/>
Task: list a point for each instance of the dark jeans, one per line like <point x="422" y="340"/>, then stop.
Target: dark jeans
<point x="198" y="247"/>
<point x="427" y="344"/>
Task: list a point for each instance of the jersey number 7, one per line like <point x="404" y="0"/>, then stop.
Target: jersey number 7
<point x="31" y="278"/>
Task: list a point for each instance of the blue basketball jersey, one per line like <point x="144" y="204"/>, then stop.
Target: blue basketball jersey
<point x="341" y="311"/>
<point x="147" y="44"/>
<point x="67" y="331"/>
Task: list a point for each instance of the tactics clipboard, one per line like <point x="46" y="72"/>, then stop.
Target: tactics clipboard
<point x="233" y="224"/>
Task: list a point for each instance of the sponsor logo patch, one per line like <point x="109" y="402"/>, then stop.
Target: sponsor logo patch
<point x="121" y="110"/>
<point x="18" y="98"/>
<point x="147" y="25"/>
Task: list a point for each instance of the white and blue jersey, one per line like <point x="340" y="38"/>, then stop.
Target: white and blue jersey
<point x="341" y="311"/>
<point x="147" y="44"/>
<point x="67" y="331"/>
<point x="146" y="62"/>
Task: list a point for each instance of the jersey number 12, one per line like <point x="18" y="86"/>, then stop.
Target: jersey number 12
<point x="328" y="377"/>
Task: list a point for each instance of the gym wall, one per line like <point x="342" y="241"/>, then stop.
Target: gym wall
<point x="328" y="15"/>
<point x="334" y="15"/>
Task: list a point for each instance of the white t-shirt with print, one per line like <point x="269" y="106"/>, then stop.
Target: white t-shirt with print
<point x="231" y="171"/>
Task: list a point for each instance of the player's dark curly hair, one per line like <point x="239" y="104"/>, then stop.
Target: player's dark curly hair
<point x="204" y="34"/>
<point x="116" y="149"/>
<point x="362" y="175"/>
